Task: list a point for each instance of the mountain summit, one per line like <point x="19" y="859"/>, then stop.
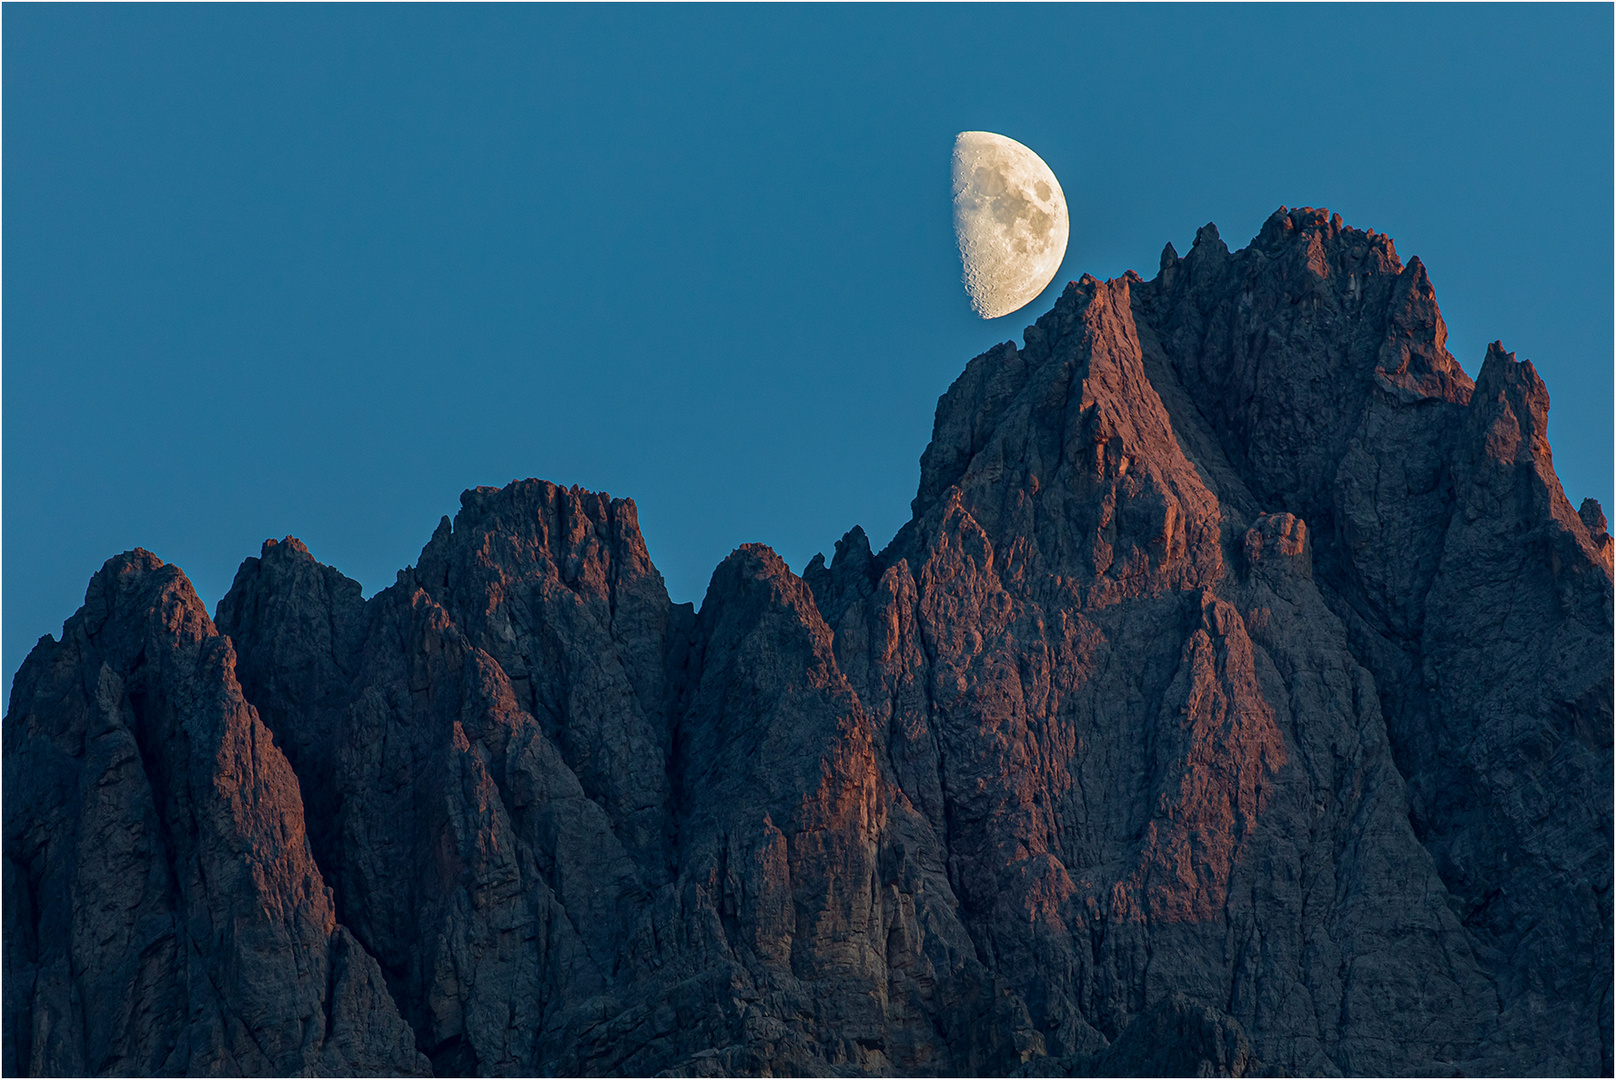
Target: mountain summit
<point x="1238" y="700"/>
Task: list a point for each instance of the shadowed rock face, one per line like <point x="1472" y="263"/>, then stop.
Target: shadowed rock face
<point x="1237" y="701"/>
<point x="163" y="912"/>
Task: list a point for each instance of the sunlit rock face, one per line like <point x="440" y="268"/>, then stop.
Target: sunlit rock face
<point x="1237" y="700"/>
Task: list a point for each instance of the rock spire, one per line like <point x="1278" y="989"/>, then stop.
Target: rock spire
<point x="1238" y="699"/>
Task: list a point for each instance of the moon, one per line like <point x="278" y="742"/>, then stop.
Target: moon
<point x="1010" y="220"/>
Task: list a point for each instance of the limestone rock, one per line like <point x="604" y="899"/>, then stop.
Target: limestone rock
<point x="164" y="914"/>
<point x="1237" y="701"/>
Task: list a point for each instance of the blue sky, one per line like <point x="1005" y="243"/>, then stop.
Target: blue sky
<point x="314" y="270"/>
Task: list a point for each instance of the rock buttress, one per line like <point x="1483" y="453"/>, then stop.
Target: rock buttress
<point x="164" y="914"/>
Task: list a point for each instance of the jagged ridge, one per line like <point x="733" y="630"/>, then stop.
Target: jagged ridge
<point x="1237" y="699"/>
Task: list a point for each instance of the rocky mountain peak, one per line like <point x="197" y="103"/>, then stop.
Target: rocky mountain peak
<point x="1237" y="700"/>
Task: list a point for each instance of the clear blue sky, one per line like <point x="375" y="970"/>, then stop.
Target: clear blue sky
<point x="314" y="270"/>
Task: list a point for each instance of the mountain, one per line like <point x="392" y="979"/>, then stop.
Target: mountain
<point x="1237" y="701"/>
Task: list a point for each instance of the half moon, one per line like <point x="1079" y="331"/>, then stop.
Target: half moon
<point x="1010" y="220"/>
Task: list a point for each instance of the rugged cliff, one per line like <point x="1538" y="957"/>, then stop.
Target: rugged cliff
<point x="1237" y="700"/>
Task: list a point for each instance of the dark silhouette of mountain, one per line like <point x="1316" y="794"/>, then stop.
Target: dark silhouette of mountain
<point x="1237" y="701"/>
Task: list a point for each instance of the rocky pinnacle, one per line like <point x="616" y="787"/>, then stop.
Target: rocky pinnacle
<point x="1237" y="701"/>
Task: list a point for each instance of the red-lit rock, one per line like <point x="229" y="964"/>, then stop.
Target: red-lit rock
<point x="1237" y="700"/>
